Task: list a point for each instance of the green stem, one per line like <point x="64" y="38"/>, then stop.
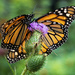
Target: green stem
<point x="15" y="70"/>
<point x="33" y="43"/>
<point x="24" y="71"/>
<point x="10" y="67"/>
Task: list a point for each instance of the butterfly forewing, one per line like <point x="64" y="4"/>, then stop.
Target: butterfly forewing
<point x="11" y="23"/>
<point x="67" y="14"/>
<point x="13" y="32"/>
<point x="63" y="15"/>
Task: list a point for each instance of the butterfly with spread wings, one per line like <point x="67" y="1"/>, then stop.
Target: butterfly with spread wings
<point x="15" y="32"/>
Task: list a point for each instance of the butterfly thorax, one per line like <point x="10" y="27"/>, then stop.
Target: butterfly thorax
<point x="27" y="19"/>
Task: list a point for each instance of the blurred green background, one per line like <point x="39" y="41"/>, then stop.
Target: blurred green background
<point x="62" y="60"/>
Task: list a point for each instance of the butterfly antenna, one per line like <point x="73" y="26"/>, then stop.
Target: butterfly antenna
<point x="55" y="53"/>
<point x="34" y="8"/>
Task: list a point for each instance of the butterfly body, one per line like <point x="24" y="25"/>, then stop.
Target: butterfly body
<point x="17" y="31"/>
<point x="28" y="19"/>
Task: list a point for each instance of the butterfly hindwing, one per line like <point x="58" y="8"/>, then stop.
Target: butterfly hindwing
<point x="14" y="56"/>
<point x="56" y="36"/>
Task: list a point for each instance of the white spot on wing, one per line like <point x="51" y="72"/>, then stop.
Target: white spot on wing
<point x="12" y="50"/>
<point x="67" y="15"/>
<point x="65" y="10"/>
<point x="56" y="10"/>
<point x="61" y="8"/>
<point x="60" y="13"/>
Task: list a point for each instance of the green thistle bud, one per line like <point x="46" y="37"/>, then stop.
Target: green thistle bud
<point x="35" y="63"/>
<point x="31" y="43"/>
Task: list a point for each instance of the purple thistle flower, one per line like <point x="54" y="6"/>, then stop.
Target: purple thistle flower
<point x="39" y="27"/>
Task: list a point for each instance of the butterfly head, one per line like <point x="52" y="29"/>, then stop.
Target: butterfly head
<point x="30" y="16"/>
<point x="28" y="19"/>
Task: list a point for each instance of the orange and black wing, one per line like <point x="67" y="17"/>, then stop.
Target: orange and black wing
<point x="15" y="33"/>
<point x="16" y="55"/>
<point x="55" y="37"/>
<point x="57" y="23"/>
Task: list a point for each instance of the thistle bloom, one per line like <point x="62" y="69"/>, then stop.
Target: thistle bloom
<point x="39" y="27"/>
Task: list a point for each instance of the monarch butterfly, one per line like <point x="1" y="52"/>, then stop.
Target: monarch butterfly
<point x="15" y="32"/>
